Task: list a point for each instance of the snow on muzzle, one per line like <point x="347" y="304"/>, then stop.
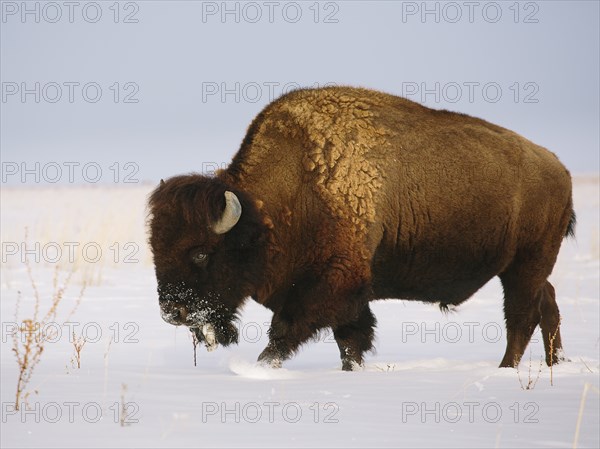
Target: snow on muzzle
<point x="209" y="321"/>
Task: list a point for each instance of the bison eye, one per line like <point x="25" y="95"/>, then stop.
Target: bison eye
<point x="199" y="258"/>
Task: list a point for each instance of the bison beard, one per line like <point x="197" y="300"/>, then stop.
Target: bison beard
<point x="340" y="196"/>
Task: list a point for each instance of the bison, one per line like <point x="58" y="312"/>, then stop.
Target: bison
<point x="339" y="196"/>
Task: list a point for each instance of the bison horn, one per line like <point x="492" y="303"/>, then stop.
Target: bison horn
<point x="231" y="214"/>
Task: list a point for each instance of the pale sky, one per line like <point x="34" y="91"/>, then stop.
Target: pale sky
<point x="174" y="91"/>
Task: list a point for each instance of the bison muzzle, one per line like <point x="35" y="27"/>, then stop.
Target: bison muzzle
<point x="340" y="196"/>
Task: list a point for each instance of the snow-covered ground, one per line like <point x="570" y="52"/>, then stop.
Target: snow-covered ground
<point x="433" y="381"/>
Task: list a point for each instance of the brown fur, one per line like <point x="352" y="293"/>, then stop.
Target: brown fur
<point x="351" y="195"/>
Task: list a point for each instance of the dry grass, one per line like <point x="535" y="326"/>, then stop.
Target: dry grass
<point x="123" y="416"/>
<point x="531" y="380"/>
<point x="586" y="388"/>
<point x="30" y="339"/>
<point x="105" y="357"/>
<point x="551" y="338"/>
<point x="78" y="344"/>
<point x="195" y="343"/>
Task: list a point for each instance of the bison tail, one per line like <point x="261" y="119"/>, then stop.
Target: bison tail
<point x="571" y="226"/>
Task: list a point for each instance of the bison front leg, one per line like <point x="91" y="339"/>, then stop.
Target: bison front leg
<point x="314" y="304"/>
<point x="355" y="338"/>
<point x="280" y="346"/>
<point x="285" y="337"/>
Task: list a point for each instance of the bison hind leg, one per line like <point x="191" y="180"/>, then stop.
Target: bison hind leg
<point x="355" y="338"/>
<point x="525" y="307"/>
<point x="550" y="325"/>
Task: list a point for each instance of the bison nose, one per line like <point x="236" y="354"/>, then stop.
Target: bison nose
<point x="173" y="313"/>
<point x="181" y="313"/>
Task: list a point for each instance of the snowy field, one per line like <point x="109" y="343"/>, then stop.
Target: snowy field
<point x="433" y="381"/>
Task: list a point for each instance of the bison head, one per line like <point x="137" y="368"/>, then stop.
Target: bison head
<point x="207" y="242"/>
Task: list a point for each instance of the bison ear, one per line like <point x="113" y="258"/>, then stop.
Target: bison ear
<point x="162" y="183"/>
<point x="231" y="214"/>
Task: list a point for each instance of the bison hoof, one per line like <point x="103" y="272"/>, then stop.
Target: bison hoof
<point x="269" y="358"/>
<point x="559" y="357"/>
<point x="351" y="365"/>
<point x="270" y="363"/>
